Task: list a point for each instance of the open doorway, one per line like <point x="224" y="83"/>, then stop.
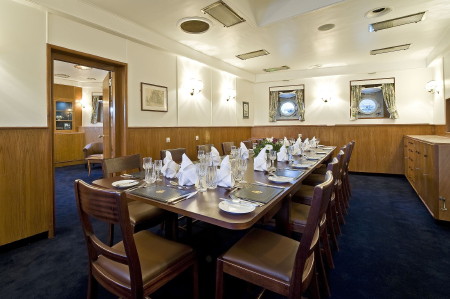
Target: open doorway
<point x="72" y="125"/>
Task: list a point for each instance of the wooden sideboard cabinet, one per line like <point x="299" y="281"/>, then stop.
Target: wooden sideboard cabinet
<point x="427" y="168"/>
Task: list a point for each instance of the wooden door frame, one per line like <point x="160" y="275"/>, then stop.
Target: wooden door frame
<point x="120" y="107"/>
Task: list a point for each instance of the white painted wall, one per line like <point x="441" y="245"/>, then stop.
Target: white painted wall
<point x="22" y="66"/>
<point x="414" y="104"/>
<point x="244" y="93"/>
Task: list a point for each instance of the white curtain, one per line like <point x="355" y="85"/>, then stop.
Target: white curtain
<point x="273" y="105"/>
<point x="300" y="104"/>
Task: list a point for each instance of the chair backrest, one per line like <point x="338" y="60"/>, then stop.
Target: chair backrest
<point x="309" y="240"/>
<point x="177" y="154"/>
<point x="93" y="148"/>
<point x="205" y="147"/>
<point x="350" y="147"/>
<point x="116" y="165"/>
<point x="110" y="207"/>
<point x="248" y="144"/>
<point x="226" y="147"/>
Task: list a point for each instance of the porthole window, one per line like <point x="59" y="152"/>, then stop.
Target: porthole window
<point x="287" y="108"/>
<point x="287" y="103"/>
<point x="368" y="106"/>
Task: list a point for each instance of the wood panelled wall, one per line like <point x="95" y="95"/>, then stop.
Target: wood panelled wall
<point x="378" y="149"/>
<point x="150" y="141"/>
<point x="26" y="187"/>
<point x="68" y="149"/>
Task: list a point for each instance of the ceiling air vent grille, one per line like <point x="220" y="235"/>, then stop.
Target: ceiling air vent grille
<point x="396" y="22"/>
<point x="252" y="54"/>
<point x="275" y="69"/>
<point x="390" y="49"/>
<point x="223" y="13"/>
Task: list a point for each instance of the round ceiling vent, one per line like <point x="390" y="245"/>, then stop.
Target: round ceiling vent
<point x="194" y="25"/>
<point x="377" y="12"/>
<point x="326" y="27"/>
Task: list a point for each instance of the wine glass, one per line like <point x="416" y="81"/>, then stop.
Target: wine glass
<point x="211" y="177"/>
<point x="158" y="166"/>
<point x="242" y="168"/>
<point x="147" y="165"/>
<point x="201" y="173"/>
<point x="272" y="157"/>
<point x="291" y="153"/>
<point x="201" y="155"/>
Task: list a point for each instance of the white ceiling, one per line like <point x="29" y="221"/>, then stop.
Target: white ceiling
<point x="288" y="30"/>
<point x="77" y="75"/>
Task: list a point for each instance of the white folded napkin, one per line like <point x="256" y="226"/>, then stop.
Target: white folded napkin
<point x="297" y="147"/>
<point x="305" y="145"/>
<point x="215" y="156"/>
<point x="188" y="173"/>
<point x="244" y="151"/>
<point x="286" y="142"/>
<point x="260" y="164"/>
<point x="224" y="173"/>
<point x="170" y="168"/>
<point x="282" y="155"/>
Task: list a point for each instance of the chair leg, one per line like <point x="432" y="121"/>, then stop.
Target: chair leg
<point x="111" y="235"/>
<point x="195" y="280"/>
<point x="92" y="287"/>
<point x="313" y="287"/>
<point x="322" y="274"/>
<point x="337" y="227"/>
<point x="330" y="227"/>
<point x="219" y="279"/>
<point x="327" y="248"/>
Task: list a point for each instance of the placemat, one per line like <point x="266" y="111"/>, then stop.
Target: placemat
<point x="160" y="193"/>
<point x="257" y="193"/>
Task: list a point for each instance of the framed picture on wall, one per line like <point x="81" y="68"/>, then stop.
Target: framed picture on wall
<point x="153" y="97"/>
<point x="245" y="110"/>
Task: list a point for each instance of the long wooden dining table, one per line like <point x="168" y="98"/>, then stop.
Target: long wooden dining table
<point x="204" y="206"/>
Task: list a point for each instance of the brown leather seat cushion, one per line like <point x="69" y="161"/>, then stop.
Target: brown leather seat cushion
<point x="156" y="254"/>
<point x="141" y="212"/>
<point x="299" y="213"/>
<point x="304" y="195"/>
<point x="314" y="179"/>
<point x="268" y="253"/>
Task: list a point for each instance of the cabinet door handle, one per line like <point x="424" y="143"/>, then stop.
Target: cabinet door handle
<point x="426" y="156"/>
<point x="444" y="208"/>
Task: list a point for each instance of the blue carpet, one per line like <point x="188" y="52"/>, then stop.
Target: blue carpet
<point x="390" y="248"/>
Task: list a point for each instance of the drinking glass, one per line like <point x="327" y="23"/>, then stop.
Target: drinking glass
<point x="201" y="172"/>
<point x="234" y="169"/>
<point x="201" y="155"/>
<point x="211" y="177"/>
<point x="317" y="142"/>
<point x="147" y="165"/>
<point x="233" y="153"/>
<point x="290" y="153"/>
<point x="158" y="166"/>
<point x="268" y="161"/>
<point x="254" y="145"/>
<point x="272" y="157"/>
<point x="150" y="174"/>
<point x="242" y="168"/>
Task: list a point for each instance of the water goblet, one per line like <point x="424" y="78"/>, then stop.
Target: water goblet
<point x="242" y="168"/>
<point x="150" y="175"/>
<point x="158" y="166"/>
<point x="273" y="157"/>
<point x="201" y="172"/>
<point x="211" y="177"/>
<point x="291" y="153"/>
<point x="201" y="155"/>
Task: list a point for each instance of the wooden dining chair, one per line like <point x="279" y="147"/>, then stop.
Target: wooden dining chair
<point x="248" y="144"/>
<point x="345" y="176"/>
<point x="226" y="147"/>
<point x="177" y="154"/>
<point x="138" y="265"/>
<point x="142" y="215"/>
<point x="301" y="204"/>
<point x="275" y="262"/>
<point x="205" y="147"/>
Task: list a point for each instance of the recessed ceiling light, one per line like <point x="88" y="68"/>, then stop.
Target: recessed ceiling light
<point x="252" y="54"/>
<point x="377" y="12"/>
<point x="82" y="67"/>
<point x="274" y="69"/>
<point x="415" y="18"/>
<point x="194" y="25"/>
<point x="92" y="79"/>
<point x="223" y="13"/>
<point x="390" y="49"/>
<point x="62" y="75"/>
<point x="315" y="66"/>
<point x="326" y="27"/>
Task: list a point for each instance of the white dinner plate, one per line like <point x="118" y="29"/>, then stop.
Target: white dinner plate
<point x="301" y="165"/>
<point x="280" y="179"/>
<point x="312" y="158"/>
<point x="327" y="148"/>
<point x="321" y="153"/>
<point x="236" y="208"/>
<point x="125" y="183"/>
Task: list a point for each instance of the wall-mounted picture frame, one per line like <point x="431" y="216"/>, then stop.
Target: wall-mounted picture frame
<point x="153" y="97"/>
<point x="245" y="110"/>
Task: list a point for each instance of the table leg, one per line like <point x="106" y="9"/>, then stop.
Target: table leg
<point x="89" y="168"/>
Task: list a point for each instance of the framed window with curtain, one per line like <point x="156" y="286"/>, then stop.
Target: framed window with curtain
<point x="97" y="108"/>
<point x="287" y="103"/>
<point x="373" y="98"/>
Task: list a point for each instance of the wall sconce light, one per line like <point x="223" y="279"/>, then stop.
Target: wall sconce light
<point x="196" y="86"/>
<point x="431" y="87"/>
<point x="326" y="99"/>
<point x="231" y="94"/>
<point x="82" y="103"/>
